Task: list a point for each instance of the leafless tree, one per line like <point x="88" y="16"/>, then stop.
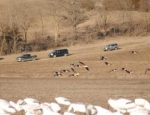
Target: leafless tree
<point x="25" y="19"/>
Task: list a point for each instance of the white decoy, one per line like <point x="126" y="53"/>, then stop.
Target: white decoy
<point x="7" y="107"/>
<point x="47" y="110"/>
<point x="121" y="104"/>
<point x="54" y="106"/>
<point x="62" y="100"/>
<point x="28" y="108"/>
<point x="140" y="111"/>
<point x="77" y="107"/>
<point x="2" y="111"/>
<point x="142" y="103"/>
<point x="91" y="110"/>
<point x="68" y="113"/>
<point x="101" y="110"/>
<point x="31" y="101"/>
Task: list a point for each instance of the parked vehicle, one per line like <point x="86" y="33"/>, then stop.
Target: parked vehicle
<point x="26" y="57"/>
<point x="59" y="52"/>
<point x="110" y="47"/>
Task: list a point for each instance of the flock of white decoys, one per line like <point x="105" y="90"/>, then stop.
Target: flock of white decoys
<point x="31" y="106"/>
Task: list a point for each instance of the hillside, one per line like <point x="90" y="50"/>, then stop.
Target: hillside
<point x="40" y="25"/>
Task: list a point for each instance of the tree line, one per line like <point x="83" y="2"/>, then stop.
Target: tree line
<point x="26" y="26"/>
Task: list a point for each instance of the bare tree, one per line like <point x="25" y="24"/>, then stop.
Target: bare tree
<point x="25" y="19"/>
<point x="103" y="18"/>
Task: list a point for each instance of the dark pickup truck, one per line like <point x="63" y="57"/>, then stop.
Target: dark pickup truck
<point x="26" y="57"/>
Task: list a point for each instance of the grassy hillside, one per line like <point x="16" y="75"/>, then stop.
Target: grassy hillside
<point x="50" y="24"/>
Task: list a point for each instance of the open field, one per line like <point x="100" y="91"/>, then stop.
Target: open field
<point x="35" y="78"/>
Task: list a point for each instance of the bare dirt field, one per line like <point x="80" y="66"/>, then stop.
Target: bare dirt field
<point x="35" y="79"/>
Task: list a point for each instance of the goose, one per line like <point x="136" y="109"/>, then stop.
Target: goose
<point x="54" y="106"/>
<point x="103" y="58"/>
<point x="81" y="64"/>
<point x="57" y="74"/>
<point x="7" y="107"/>
<point x="107" y="63"/>
<point x="64" y="70"/>
<point x="148" y="69"/>
<point x="133" y="52"/>
<point x="74" y="73"/>
<point x="113" y="70"/>
<point x="121" y="104"/>
<point x="142" y="103"/>
<point x="62" y="100"/>
<point x="127" y="71"/>
<point x="91" y="110"/>
<point x="46" y="110"/>
<point x="77" y="107"/>
<point x="69" y="113"/>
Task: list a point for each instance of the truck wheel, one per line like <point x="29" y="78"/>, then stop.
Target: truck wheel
<point x="65" y="54"/>
<point x="33" y="59"/>
<point x="54" y="56"/>
<point x="116" y="48"/>
<point x="22" y="60"/>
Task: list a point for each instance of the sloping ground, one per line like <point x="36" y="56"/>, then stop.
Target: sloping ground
<point x="89" y="54"/>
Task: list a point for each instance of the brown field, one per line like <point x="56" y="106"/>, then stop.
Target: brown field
<point x="35" y="78"/>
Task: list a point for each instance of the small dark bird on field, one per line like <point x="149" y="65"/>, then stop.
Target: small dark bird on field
<point x="103" y="58"/>
<point x="127" y="71"/>
<point x="113" y="70"/>
<point x="57" y="74"/>
<point x="124" y="69"/>
<point x="64" y="70"/>
<point x="134" y="52"/>
<point x="107" y="63"/>
<point x="81" y="64"/>
<point x="148" y="69"/>
<point x="74" y="73"/>
<point x="85" y="66"/>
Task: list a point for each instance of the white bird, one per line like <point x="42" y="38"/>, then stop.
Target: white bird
<point x="142" y="103"/>
<point x="77" y="107"/>
<point x="101" y="110"/>
<point x="140" y="111"/>
<point x="54" y="106"/>
<point x="68" y="113"/>
<point x="6" y="107"/>
<point x="47" y="110"/>
<point x="31" y="101"/>
<point x="121" y="104"/>
<point x="91" y="110"/>
<point x="29" y="109"/>
<point x="62" y="100"/>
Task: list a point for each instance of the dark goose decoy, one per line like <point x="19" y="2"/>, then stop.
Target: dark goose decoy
<point x="57" y="74"/>
<point x="113" y="70"/>
<point x="148" y="69"/>
<point x="103" y="58"/>
<point x="74" y="73"/>
<point x="107" y="63"/>
<point x="133" y="52"/>
<point x="81" y="64"/>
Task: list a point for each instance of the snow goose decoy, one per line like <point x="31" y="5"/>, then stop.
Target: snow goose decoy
<point x="106" y="63"/>
<point x="62" y="100"/>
